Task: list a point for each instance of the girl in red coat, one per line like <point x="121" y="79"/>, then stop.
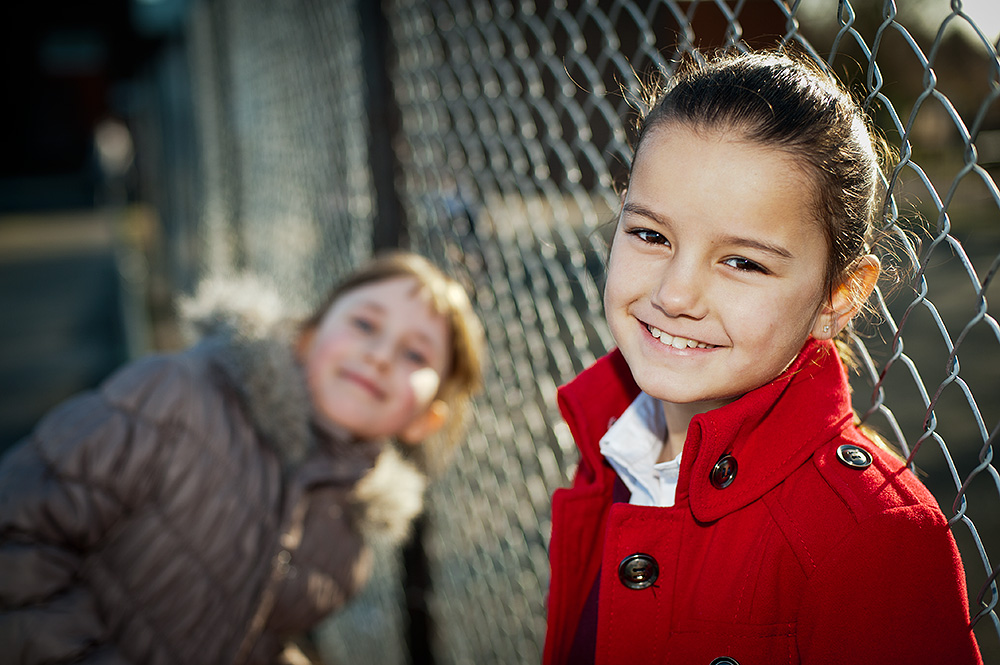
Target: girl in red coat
<point x="726" y="508"/>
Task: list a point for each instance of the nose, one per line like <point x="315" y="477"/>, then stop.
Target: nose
<point x="379" y="351"/>
<point x="681" y="290"/>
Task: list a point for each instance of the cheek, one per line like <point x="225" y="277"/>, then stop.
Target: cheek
<point x="750" y="316"/>
<point x="780" y="319"/>
<point x="616" y="279"/>
<point x="315" y="362"/>
<point x="324" y="356"/>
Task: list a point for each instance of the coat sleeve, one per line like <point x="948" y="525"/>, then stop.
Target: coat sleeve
<point x="63" y="490"/>
<point x="893" y="591"/>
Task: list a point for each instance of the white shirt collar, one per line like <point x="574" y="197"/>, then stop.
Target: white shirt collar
<point x="633" y="443"/>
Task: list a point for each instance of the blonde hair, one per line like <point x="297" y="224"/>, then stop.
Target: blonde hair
<point x="448" y="298"/>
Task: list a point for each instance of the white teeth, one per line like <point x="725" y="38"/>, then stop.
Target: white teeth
<point x="676" y="342"/>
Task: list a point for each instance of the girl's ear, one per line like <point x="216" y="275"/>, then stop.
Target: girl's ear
<point x="847" y="298"/>
<point x="426" y="424"/>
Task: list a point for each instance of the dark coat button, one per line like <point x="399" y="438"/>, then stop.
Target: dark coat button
<point x="724" y="472"/>
<point x="725" y="660"/>
<point x="854" y="456"/>
<point x="638" y="571"/>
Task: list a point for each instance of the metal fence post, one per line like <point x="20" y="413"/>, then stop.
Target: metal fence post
<point x="383" y="117"/>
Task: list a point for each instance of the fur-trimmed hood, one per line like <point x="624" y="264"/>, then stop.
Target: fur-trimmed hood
<point x="250" y="333"/>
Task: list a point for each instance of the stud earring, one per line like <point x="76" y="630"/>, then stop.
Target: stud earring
<point x="826" y="329"/>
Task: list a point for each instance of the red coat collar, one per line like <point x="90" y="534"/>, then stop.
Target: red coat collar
<point x="814" y="403"/>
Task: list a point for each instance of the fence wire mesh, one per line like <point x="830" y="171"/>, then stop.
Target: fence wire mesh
<point x="513" y="127"/>
<point x="283" y="176"/>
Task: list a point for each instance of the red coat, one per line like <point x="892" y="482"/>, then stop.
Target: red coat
<point x="801" y="559"/>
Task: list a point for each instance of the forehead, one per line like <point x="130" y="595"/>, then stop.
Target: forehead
<point x="390" y="294"/>
<point x="713" y="174"/>
<point x="672" y="134"/>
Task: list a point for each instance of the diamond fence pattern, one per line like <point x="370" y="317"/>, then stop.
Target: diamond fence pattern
<point x="281" y="170"/>
<point x="509" y="130"/>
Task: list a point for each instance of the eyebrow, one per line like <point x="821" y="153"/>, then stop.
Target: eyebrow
<point x="777" y="250"/>
<point x="371" y="305"/>
<point x="753" y="243"/>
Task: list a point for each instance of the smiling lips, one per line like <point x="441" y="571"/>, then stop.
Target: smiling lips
<point x="677" y="342"/>
<point x="364" y="383"/>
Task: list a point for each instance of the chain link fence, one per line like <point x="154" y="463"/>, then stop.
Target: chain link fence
<point x="489" y="136"/>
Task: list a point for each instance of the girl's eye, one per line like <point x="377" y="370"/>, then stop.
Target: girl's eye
<point x="648" y="236"/>
<point x="415" y="357"/>
<point x="362" y="324"/>
<point x="745" y="265"/>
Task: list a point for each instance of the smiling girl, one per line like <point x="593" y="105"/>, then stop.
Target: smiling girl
<point x="727" y="509"/>
<point x="208" y="506"/>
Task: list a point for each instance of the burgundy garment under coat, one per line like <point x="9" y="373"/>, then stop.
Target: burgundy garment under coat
<point x="801" y="559"/>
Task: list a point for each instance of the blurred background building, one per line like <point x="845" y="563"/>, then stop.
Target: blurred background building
<point x="66" y="157"/>
<point x="147" y="144"/>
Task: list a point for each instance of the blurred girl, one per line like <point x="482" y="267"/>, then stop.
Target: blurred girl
<point x="203" y="507"/>
<point x="726" y="508"/>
